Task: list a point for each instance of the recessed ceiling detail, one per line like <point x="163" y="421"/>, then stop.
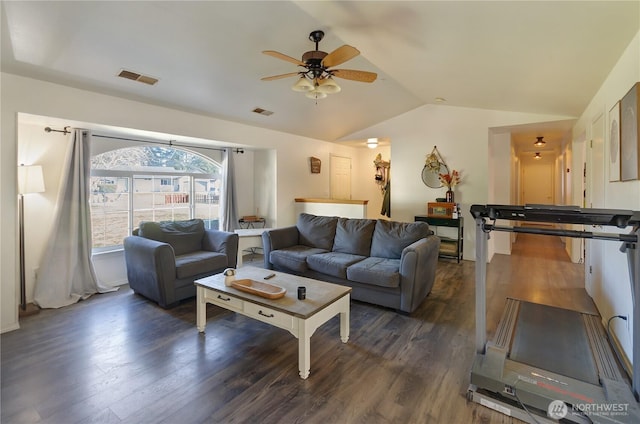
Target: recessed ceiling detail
<point x="134" y="76"/>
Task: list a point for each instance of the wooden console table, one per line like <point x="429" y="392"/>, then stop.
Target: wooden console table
<point x="332" y="207"/>
<point x="449" y="247"/>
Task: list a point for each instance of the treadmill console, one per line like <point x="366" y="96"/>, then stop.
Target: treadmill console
<point x="558" y="214"/>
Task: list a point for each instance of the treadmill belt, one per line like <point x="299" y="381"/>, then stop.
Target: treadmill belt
<point x="555" y="340"/>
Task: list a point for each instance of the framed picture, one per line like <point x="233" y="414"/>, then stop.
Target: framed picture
<point x="315" y="165"/>
<point x="629" y="127"/>
<point x="614" y="143"/>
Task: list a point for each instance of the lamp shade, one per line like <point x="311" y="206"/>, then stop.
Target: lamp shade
<point x="30" y="179"/>
<point x="302" y="85"/>
<point x="328" y="86"/>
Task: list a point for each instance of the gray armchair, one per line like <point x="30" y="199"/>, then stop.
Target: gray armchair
<point x="164" y="258"/>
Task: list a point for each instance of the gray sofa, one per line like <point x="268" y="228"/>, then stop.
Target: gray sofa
<point x="387" y="263"/>
<point x="164" y="258"/>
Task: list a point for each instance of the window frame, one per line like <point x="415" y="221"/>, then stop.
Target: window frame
<point x="156" y="173"/>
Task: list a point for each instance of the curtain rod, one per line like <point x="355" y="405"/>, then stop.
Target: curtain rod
<point x="170" y="143"/>
<point x="64" y="131"/>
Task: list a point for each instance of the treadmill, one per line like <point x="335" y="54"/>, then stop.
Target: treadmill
<point x="565" y="372"/>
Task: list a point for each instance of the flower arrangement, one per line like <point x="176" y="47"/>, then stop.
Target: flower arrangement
<point x="450" y="180"/>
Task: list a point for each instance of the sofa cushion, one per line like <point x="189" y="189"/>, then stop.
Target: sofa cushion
<point x="294" y="257"/>
<point x="354" y="236"/>
<point x="183" y="236"/>
<point x="383" y="272"/>
<point x="317" y="231"/>
<point x="333" y="263"/>
<point x="390" y="237"/>
<point x="200" y="262"/>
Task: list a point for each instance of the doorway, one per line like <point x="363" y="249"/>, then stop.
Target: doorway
<point x="538" y="181"/>
<point x="340" y="177"/>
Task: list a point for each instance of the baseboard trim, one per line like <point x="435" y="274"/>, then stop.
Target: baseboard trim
<point x="622" y="356"/>
<point x="12" y="327"/>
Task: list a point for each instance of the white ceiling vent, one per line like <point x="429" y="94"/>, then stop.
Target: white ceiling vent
<point x="134" y="76"/>
<point x="262" y="111"/>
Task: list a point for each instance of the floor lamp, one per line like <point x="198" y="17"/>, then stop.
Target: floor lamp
<point x="30" y="180"/>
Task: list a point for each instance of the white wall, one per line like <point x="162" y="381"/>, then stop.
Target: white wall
<point x="614" y="297"/>
<point x="499" y="188"/>
<point x="265" y="185"/>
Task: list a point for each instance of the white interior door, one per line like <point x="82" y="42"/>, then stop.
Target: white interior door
<point x="340" y="177"/>
<point x="595" y="199"/>
<point x="537" y="182"/>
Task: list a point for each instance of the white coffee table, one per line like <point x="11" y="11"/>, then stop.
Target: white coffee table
<point x="300" y="317"/>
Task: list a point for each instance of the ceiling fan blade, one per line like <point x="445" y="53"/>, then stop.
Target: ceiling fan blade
<point x="275" y="77"/>
<point x="282" y="56"/>
<point x="340" y="55"/>
<point x="362" y="76"/>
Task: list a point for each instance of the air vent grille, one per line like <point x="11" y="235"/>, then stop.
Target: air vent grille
<point x="261" y="111"/>
<point x="134" y="76"/>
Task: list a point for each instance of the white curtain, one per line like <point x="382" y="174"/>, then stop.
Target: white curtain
<point x="66" y="273"/>
<point x="228" y="204"/>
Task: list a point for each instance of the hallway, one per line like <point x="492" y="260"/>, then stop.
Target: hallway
<point x="538" y="270"/>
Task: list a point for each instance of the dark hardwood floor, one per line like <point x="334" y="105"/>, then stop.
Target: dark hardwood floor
<point x="117" y="358"/>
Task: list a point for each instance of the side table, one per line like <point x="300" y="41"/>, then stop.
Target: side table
<point x="252" y="222"/>
<point x="449" y="247"/>
<point x="249" y="239"/>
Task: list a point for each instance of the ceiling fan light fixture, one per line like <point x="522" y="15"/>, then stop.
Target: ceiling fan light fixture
<point x="372" y="143"/>
<point x="537" y="156"/>
<point x="302" y="85"/>
<point x="540" y="142"/>
<point x="316" y="80"/>
<point x="328" y="86"/>
<point x="316" y="94"/>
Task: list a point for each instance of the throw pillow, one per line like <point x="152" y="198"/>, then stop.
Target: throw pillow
<point x="354" y="236"/>
<point x="183" y="236"/>
<point x="317" y="231"/>
<point x="390" y="237"/>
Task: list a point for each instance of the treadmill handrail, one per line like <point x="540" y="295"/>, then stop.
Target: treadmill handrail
<point x="558" y="214"/>
<point x="628" y="238"/>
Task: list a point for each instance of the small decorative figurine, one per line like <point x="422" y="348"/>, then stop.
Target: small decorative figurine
<point x="229" y="276"/>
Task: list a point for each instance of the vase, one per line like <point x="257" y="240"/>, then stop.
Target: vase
<point x="449" y="196"/>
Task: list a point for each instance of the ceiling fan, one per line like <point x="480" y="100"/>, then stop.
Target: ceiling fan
<point x="316" y="77"/>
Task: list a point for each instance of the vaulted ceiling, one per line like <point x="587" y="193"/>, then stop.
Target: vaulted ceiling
<point x="527" y="56"/>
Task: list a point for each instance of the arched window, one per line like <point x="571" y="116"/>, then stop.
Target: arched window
<point x="150" y="183"/>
